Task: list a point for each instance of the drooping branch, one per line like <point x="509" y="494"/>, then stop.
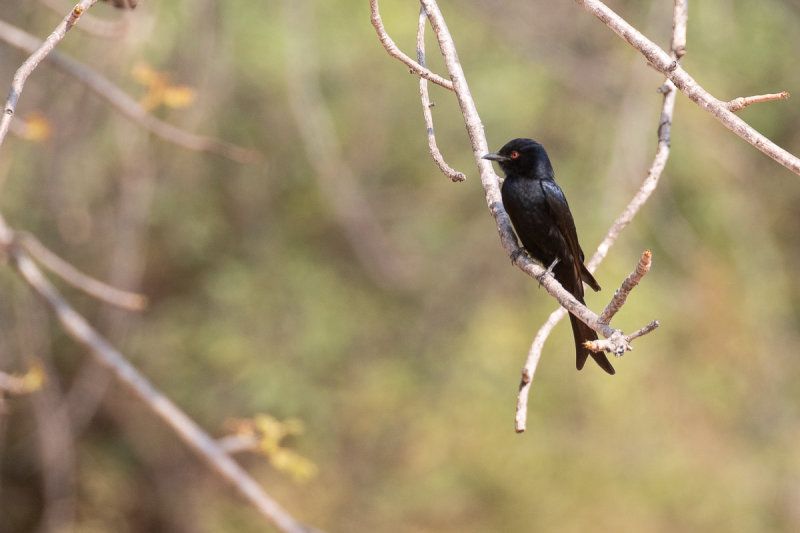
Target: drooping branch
<point x="446" y="169"/>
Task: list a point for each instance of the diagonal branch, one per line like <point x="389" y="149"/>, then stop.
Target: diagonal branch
<point x="36" y="57"/>
<point x="621" y="294"/>
<point x="668" y="65"/>
<point x="123" y="103"/>
<point x="187" y="429"/>
<point x="82" y="332"/>
<point x="76" y="278"/>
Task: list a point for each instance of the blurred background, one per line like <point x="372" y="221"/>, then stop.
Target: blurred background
<point x="340" y="279"/>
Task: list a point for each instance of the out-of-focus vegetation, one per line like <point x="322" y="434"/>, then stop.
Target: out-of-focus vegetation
<point x="260" y="305"/>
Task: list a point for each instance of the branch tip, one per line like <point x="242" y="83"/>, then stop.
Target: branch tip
<point x="621" y="294"/>
<point x="737" y="104"/>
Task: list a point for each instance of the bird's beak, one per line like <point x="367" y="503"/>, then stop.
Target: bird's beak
<point x="495" y="157"/>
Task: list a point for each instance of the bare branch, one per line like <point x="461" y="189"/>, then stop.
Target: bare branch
<point x="192" y="435"/>
<point x="621" y="294"/>
<point x="76" y="278"/>
<point x="737" y="104"/>
<point x="614" y="343"/>
<point x="644" y="331"/>
<point x="126" y="105"/>
<point x="446" y="169"/>
<point x="680" y="18"/>
<point x="669" y="66"/>
<point x="37" y="55"/>
<point x="531" y="363"/>
<point x="567" y="300"/>
<point x="395" y="52"/>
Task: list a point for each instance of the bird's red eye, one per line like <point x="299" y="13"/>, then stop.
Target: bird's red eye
<point x="514" y="154"/>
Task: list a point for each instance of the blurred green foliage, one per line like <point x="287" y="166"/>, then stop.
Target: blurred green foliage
<point x="259" y="303"/>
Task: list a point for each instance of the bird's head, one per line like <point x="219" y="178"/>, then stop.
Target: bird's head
<point x="525" y="157"/>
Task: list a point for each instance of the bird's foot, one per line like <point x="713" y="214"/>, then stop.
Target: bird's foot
<point x="548" y="271"/>
<point x="516" y="253"/>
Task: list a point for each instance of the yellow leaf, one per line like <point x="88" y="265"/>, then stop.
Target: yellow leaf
<point x="159" y="89"/>
<point x="293" y="464"/>
<point x="145" y="74"/>
<point x="36" y="128"/>
<point x="177" y="96"/>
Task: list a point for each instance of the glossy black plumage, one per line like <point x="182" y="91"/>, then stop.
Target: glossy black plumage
<point x="543" y="222"/>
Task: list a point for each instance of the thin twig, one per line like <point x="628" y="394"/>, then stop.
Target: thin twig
<point x="644" y="331"/>
<point x="76" y="278"/>
<point x="531" y="363"/>
<point x="395" y="51"/>
<point x="680" y="17"/>
<point x="446" y="169"/>
<point x="126" y="105"/>
<point x="737" y="104"/>
<point x="37" y="55"/>
<point x="621" y="294"/>
<point x="668" y="65"/>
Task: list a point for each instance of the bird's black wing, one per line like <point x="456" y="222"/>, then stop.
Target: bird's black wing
<point x="565" y="224"/>
<point x="562" y="216"/>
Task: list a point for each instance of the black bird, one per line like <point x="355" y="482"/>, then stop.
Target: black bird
<point x="541" y="217"/>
